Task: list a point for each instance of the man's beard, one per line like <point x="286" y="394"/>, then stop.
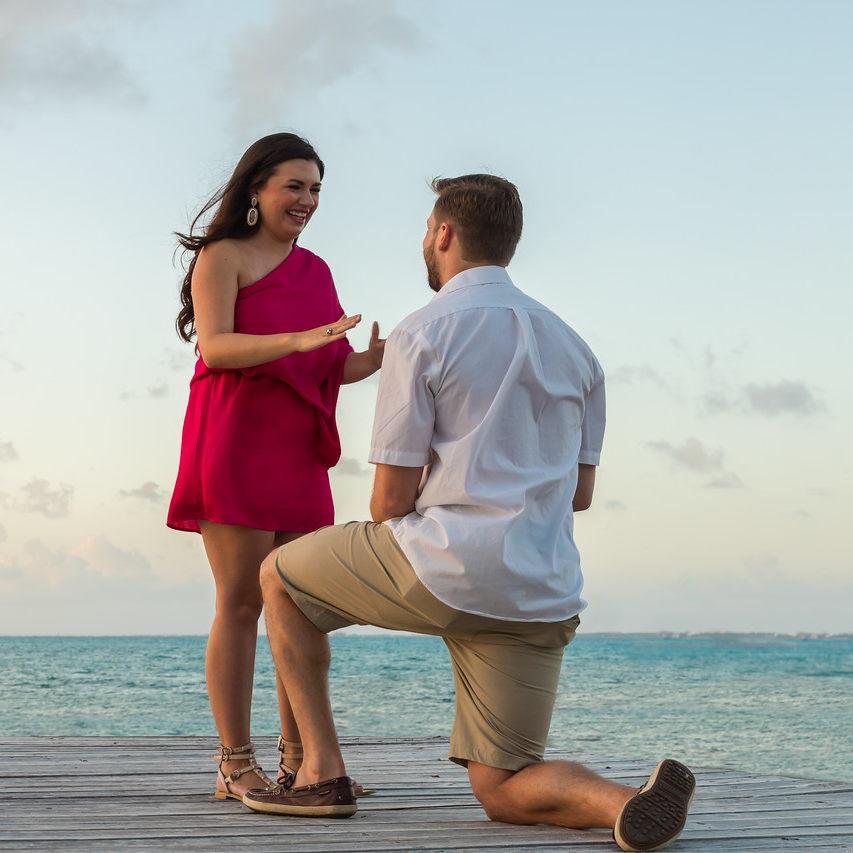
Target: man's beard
<point x="433" y="280"/>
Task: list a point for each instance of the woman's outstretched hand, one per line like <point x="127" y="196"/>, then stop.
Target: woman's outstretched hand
<point x="322" y="335"/>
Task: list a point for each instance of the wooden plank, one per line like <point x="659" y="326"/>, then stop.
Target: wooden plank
<point x="96" y="794"/>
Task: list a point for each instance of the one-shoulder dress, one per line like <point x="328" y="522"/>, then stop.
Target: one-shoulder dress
<point x="258" y="443"/>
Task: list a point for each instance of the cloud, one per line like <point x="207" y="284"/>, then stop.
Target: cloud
<point x="154" y="392"/>
<point x="615" y="506"/>
<point x="727" y="480"/>
<point x="60" y="50"/>
<point x="38" y="497"/>
<point x="102" y="556"/>
<point x="786" y="397"/>
<point x="352" y="467"/>
<point x="179" y="361"/>
<point x="157" y="392"/>
<point x="692" y="455"/>
<point x="770" y="399"/>
<point x="634" y="374"/>
<point x="306" y="47"/>
<point x="149" y="491"/>
<point x="3" y="534"/>
<point x="8" y="452"/>
<point x="821" y="492"/>
<point x="94" y="558"/>
<point x="9" y="364"/>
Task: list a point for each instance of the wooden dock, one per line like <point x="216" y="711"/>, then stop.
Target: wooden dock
<point x="155" y="794"/>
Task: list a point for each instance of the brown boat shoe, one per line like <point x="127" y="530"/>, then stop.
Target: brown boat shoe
<point x="329" y="798"/>
<point x="655" y="817"/>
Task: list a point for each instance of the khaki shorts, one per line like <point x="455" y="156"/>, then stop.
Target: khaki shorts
<point x="506" y="672"/>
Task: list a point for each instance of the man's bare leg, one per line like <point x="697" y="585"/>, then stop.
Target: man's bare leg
<point x="302" y="658"/>
<point x="560" y="793"/>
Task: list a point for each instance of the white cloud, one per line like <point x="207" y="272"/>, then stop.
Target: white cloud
<point x="154" y="392"/>
<point x="632" y="374"/>
<point x="308" y="46"/>
<point x="692" y="455"/>
<point x="157" y="392"/>
<point x="352" y="467"/>
<point x="38" y="497"/>
<point x="149" y="491"/>
<point x="94" y="557"/>
<point x="106" y="559"/>
<point x="179" y="360"/>
<point x="3" y="534"/>
<point x="726" y="480"/>
<point x="59" y="49"/>
<point x="8" y="453"/>
<point x="770" y="399"/>
<point x="615" y="506"/>
<point x="786" y="397"/>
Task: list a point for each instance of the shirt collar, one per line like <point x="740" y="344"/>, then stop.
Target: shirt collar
<point x="475" y="275"/>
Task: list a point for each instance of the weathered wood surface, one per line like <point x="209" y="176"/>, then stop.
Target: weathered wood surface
<point x="155" y="794"/>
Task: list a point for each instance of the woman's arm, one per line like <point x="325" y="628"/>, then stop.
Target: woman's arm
<point x="360" y="365"/>
<point x="214" y="291"/>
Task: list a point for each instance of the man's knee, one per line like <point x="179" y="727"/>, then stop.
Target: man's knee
<point x="487" y="787"/>
<point x="270" y="579"/>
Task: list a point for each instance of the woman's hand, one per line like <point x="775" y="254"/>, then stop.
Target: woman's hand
<point x="322" y="335"/>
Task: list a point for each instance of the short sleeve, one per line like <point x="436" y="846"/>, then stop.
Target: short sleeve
<point x="592" y="427"/>
<point x="405" y="406"/>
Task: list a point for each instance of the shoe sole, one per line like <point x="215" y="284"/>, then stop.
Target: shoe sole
<point x="221" y="795"/>
<point x="661" y="807"/>
<point x="301" y="811"/>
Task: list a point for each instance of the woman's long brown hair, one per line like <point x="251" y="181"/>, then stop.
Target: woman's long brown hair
<point x="252" y="172"/>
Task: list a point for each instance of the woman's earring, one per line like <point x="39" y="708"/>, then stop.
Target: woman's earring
<point x="252" y="215"/>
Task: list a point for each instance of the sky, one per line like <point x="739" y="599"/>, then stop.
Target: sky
<point x="686" y="175"/>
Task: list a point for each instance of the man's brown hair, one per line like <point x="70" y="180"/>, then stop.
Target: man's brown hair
<point x="487" y="213"/>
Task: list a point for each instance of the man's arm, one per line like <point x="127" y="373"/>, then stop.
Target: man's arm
<point x="586" y="483"/>
<point x="395" y="489"/>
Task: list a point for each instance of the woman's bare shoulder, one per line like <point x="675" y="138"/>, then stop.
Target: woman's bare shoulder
<point x="226" y="251"/>
<point x="218" y="265"/>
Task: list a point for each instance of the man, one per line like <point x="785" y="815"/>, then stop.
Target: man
<point x="489" y="423"/>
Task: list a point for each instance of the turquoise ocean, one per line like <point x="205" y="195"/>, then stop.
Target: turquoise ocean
<point x="764" y="703"/>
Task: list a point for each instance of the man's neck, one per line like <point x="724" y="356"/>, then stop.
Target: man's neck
<point x="452" y="271"/>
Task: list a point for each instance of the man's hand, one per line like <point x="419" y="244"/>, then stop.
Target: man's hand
<point x="360" y="365"/>
<point x="376" y="347"/>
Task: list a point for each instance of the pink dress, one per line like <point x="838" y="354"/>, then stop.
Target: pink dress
<point x="258" y="443"/>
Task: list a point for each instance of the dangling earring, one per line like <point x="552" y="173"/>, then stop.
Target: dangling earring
<point x="252" y="215"/>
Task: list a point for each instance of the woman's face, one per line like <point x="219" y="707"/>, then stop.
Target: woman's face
<point x="289" y="198"/>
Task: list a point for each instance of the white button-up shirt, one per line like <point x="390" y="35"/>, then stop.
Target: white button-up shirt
<point x="502" y="400"/>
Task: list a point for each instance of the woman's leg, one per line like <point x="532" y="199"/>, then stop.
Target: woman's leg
<point x="235" y="555"/>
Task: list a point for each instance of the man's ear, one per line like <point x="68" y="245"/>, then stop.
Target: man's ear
<point x="445" y="235"/>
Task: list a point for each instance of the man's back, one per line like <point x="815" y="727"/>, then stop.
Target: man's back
<point x="502" y="399"/>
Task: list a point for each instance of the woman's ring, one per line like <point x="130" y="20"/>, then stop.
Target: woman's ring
<point x="329" y="331"/>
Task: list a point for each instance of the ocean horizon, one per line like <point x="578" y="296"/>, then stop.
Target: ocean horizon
<point x="779" y="703"/>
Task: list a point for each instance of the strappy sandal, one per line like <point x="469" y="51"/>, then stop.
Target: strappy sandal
<point x="237" y="753"/>
<point x="290" y="760"/>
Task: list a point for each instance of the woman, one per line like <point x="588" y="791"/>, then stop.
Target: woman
<point x="259" y="434"/>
